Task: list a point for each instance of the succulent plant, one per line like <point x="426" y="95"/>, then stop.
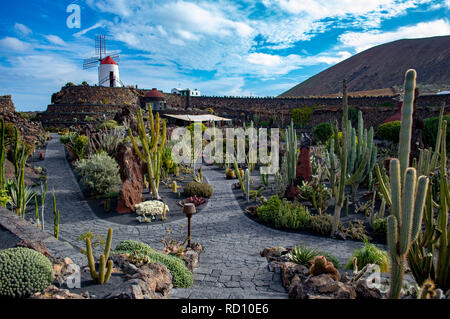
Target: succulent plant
<point x="23" y="272"/>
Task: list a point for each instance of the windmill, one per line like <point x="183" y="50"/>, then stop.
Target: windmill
<point x="108" y="69"/>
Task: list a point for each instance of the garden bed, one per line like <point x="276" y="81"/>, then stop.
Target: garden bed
<point x="363" y="196"/>
<point x="170" y="198"/>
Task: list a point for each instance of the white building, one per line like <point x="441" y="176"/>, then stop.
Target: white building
<point x="184" y="92"/>
<point x="108" y="73"/>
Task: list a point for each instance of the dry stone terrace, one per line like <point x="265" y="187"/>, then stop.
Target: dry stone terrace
<point x="230" y="267"/>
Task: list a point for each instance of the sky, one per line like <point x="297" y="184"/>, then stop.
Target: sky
<point x="222" y="48"/>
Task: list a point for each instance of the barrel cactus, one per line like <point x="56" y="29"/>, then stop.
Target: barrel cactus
<point x="23" y="272"/>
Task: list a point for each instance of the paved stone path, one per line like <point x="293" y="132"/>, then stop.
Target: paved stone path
<point x="230" y="266"/>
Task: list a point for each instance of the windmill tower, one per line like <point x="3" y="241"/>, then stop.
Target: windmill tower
<point x="108" y="69"/>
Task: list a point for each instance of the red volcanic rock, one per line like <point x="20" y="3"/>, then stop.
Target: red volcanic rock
<point x="291" y="192"/>
<point x="131" y="173"/>
<point x="304" y="169"/>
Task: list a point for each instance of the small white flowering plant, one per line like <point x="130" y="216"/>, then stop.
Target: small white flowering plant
<point x="149" y="210"/>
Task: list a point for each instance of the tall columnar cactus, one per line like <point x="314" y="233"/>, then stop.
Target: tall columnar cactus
<point x="362" y="155"/>
<point x="105" y="265"/>
<point x="291" y="152"/>
<point x="429" y="255"/>
<point x="405" y="221"/>
<point x="404" y="145"/>
<point x="152" y="152"/>
<point x="55" y="216"/>
<point x="43" y="195"/>
<point x="247" y="182"/>
<point x="343" y="153"/>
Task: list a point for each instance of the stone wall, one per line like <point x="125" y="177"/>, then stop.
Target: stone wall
<point x="95" y="95"/>
<point x="77" y="102"/>
<point x="375" y="109"/>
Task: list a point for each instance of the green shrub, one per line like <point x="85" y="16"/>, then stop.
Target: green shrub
<point x="69" y="84"/>
<point x="284" y="214"/>
<point x="67" y="138"/>
<point x="196" y="124"/>
<point x="301" y="115"/>
<point x="99" y="173"/>
<point x="198" y="189"/>
<point x="380" y="227"/>
<point x="4" y="198"/>
<point x="389" y="131"/>
<point x="167" y="162"/>
<point x="303" y="255"/>
<point x="369" y="254"/>
<point x="430" y="131"/>
<point x="110" y="124"/>
<point x="182" y="277"/>
<point x="323" y="131"/>
<point x="23" y="272"/>
<point x="79" y="145"/>
<point x="322" y="224"/>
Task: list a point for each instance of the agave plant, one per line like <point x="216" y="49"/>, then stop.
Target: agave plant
<point x="20" y="197"/>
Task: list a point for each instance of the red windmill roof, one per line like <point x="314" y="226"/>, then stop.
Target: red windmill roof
<point x="108" y="60"/>
<point x="154" y="93"/>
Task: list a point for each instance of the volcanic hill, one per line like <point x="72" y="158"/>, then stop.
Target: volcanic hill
<point x="384" y="66"/>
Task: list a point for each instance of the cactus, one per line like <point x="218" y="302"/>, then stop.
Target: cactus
<point x="361" y="157"/>
<point x="404" y="145"/>
<point x="36" y="207"/>
<point x="429" y="255"/>
<point x="405" y="220"/>
<point x="151" y="154"/>
<point x="175" y="187"/>
<point x="107" y="204"/>
<point x="239" y="176"/>
<point x="291" y="153"/>
<point x="43" y="195"/>
<point x="346" y="152"/>
<point x="264" y="177"/>
<point x="247" y="184"/>
<point x="55" y="216"/>
<point x="105" y="265"/>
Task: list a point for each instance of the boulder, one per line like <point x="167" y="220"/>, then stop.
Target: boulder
<point x="320" y="287"/>
<point x="303" y="171"/>
<point x="132" y="175"/>
<point x="151" y="281"/>
<point x="190" y="258"/>
<point x="289" y="270"/>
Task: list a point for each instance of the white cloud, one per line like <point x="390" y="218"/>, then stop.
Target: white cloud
<point x="14" y="44"/>
<point x="22" y="29"/>
<point x="97" y="25"/>
<point x="54" y="39"/>
<point x="361" y="41"/>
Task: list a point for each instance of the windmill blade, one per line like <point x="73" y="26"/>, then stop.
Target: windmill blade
<point x="90" y="64"/>
<point x="115" y="57"/>
<point x="93" y="59"/>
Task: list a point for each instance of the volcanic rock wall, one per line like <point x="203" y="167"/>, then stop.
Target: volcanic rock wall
<point x="6" y="104"/>
<point x="31" y="132"/>
<point x="74" y="105"/>
<point x="374" y="109"/>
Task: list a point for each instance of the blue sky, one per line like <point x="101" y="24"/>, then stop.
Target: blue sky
<point x="239" y="48"/>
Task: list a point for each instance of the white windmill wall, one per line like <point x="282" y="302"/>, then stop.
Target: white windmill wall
<point x="103" y="74"/>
